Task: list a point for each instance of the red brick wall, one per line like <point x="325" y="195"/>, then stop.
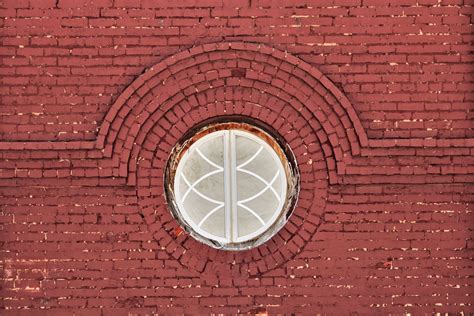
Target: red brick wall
<point x="374" y="97"/>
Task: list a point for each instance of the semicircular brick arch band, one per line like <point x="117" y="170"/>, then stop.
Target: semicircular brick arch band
<point x="206" y="72"/>
<point x="251" y="73"/>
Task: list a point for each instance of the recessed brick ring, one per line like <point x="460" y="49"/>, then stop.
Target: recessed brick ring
<point x="195" y="75"/>
<point x="251" y="80"/>
<point x="287" y="243"/>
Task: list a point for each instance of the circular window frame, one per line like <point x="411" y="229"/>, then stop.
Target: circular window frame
<point x="258" y="130"/>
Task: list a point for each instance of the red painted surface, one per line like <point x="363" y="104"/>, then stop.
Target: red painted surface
<point x="373" y="98"/>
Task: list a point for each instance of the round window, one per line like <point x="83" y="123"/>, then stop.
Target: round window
<point x="231" y="185"/>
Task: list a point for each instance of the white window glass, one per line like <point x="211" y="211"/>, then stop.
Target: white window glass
<point x="231" y="186"/>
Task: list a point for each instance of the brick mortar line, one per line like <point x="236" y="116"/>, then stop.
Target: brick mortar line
<point x="93" y="145"/>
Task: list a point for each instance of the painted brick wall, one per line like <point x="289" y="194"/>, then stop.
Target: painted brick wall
<point x="374" y="98"/>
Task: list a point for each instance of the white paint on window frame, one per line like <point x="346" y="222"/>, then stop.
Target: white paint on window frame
<point x="286" y="195"/>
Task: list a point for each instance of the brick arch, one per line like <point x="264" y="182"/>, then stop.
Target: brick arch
<point x="217" y="72"/>
<point x="287" y="244"/>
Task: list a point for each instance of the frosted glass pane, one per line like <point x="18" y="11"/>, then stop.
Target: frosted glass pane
<point x="231" y="186"/>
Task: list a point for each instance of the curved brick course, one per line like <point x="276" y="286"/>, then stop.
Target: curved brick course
<point x="232" y="72"/>
<point x="290" y="241"/>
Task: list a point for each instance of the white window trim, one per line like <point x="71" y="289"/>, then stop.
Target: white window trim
<point x="230" y="170"/>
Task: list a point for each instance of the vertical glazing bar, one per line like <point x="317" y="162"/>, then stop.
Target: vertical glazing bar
<point x="233" y="176"/>
<point x="227" y="187"/>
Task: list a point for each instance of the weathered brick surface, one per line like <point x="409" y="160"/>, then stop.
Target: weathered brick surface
<point x="374" y="98"/>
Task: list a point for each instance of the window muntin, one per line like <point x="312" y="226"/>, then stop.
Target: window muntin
<point x="231" y="186"/>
